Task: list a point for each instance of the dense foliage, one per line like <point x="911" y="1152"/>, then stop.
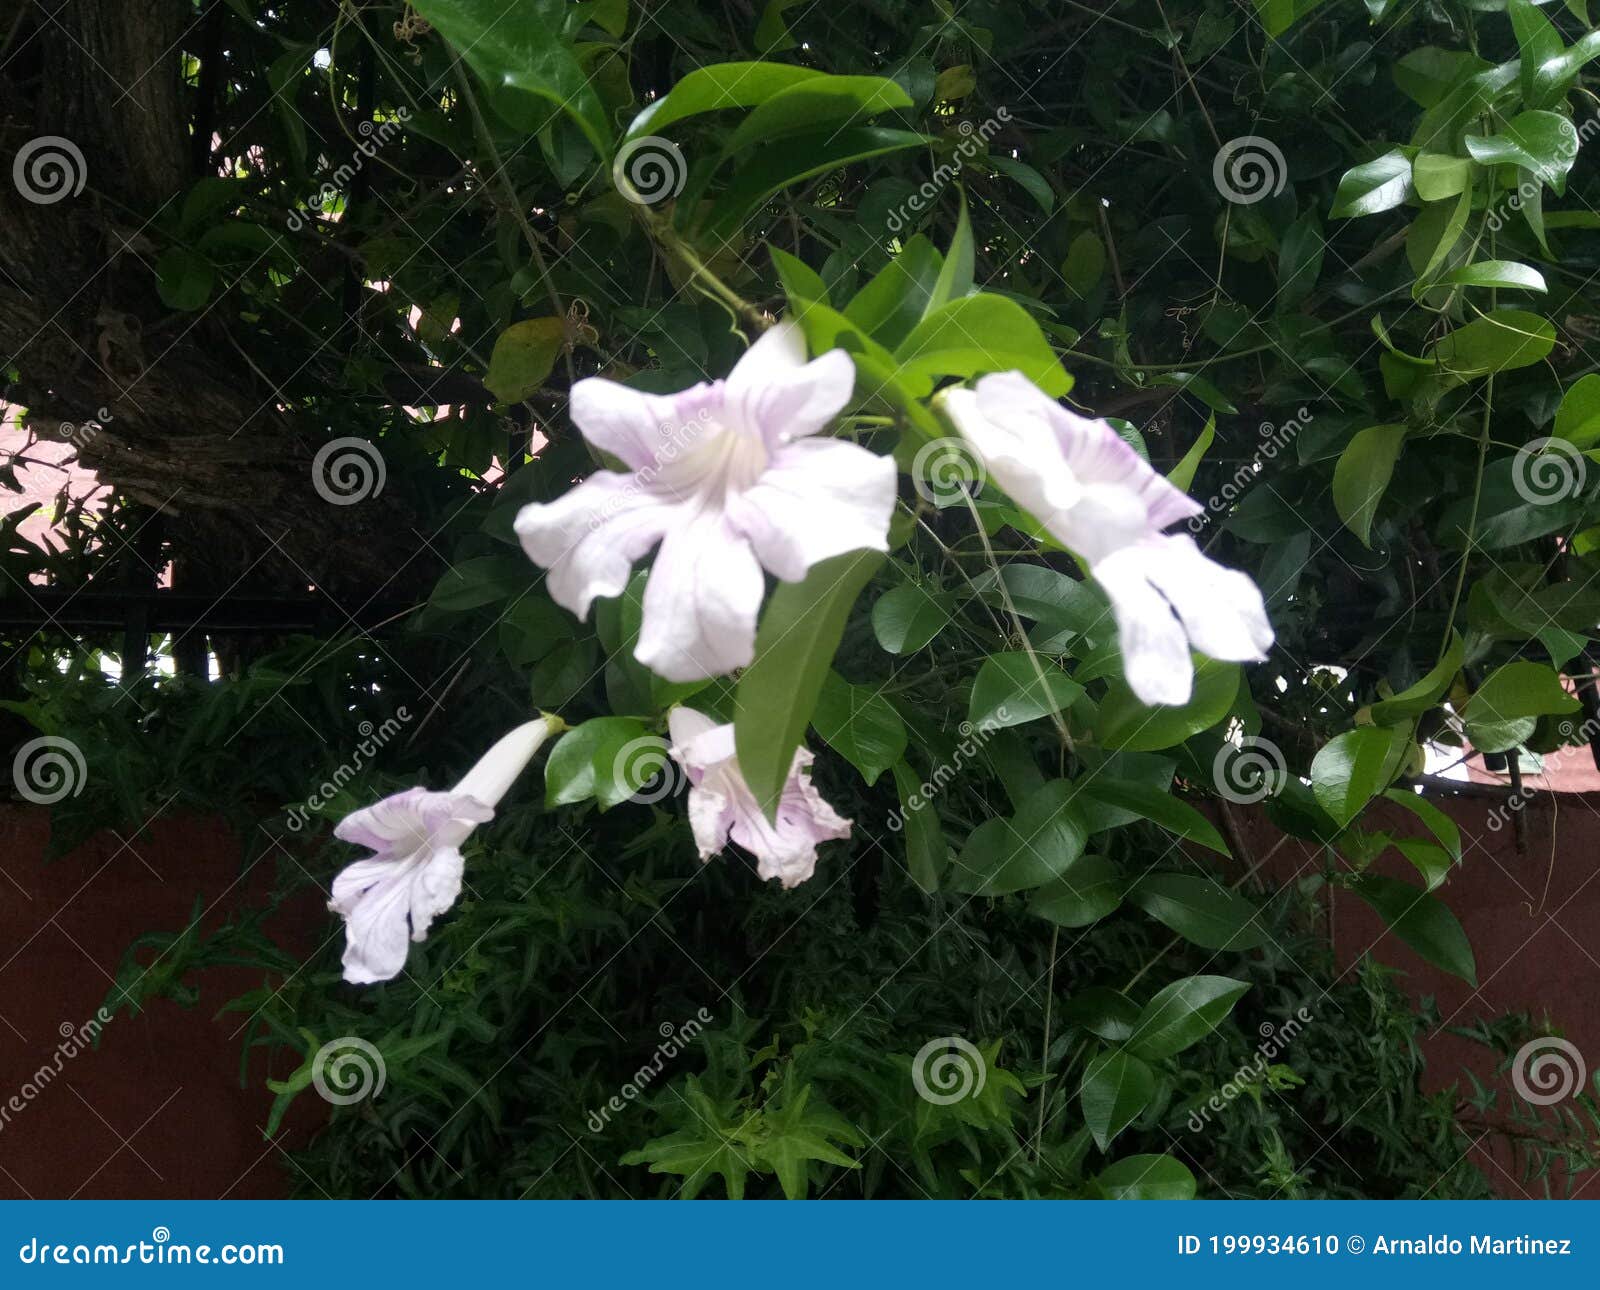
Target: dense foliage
<point x="1326" y="264"/>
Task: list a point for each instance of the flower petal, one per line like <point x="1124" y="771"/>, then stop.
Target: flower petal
<point x="818" y="498"/>
<point x="590" y="537"/>
<point x="772" y="390"/>
<point x="1155" y="650"/>
<point x="486" y="783"/>
<point x="785" y="848"/>
<point x="628" y="424"/>
<point x="1009" y="428"/>
<point x="701" y="602"/>
<point x="1221" y="609"/>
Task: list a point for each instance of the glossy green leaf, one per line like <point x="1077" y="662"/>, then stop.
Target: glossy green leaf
<point x="1090" y="889"/>
<point x="1200" y="910"/>
<point x="1146" y="1177"/>
<point x="1124" y="722"/>
<point x="1362" y="476"/>
<point x="1353" y="768"/>
<point x="1011" y="689"/>
<point x="1116" y="1088"/>
<point x="860" y="725"/>
<point x="1422" y="921"/>
<point x="1184" y="1012"/>
<point x="1377" y="185"/>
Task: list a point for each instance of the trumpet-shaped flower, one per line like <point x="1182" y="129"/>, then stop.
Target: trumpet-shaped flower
<point x="414" y="873"/>
<point x="721" y="805"/>
<point x="728" y="479"/>
<point x="1099" y="498"/>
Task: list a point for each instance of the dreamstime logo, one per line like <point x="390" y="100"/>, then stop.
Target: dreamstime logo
<point x="973" y="739"/>
<point x="1249" y="771"/>
<point x="74" y="1040"/>
<point x="373" y="136"/>
<point x="647" y="762"/>
<point x="1547" y="1070"/>
<point x="1547" y="471"/>
<point x="674" y="1039"/>
<point x="48" y="769"/>
<point x="943" y="1076"/>
<point x="649" y="169"/>
<point x="81" y="435"/>
<point x="349" y="470"/>
<point x="1571" y="736"/>
<point x="946" y="470"/>
<point x="1259" y="1070"/>
<point x="1274" y="439"/>
<point x="372" y="739"/>
<point x="48" y="169"/>
<point x="348" y="1070"/>
<point x="974" y="139"/>
<point x="1248" y="169"/>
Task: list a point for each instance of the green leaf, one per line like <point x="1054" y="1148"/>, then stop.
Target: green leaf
<point x="1416" y="699"/>
<point x="1146" y="1178"/>
<point x="1200" y="910"/>
<point x="1438" y="823"/>
<point x="584" y="760"/>
<point x="1501" y="713"/>
<point x="955" y="275"/>
<point x="803" y="1131"/>
<point x="1085" y="264"/>
<point x="1090" y="889"/>
<point x="711" y="1143"/>
<point x="1010" y="690"/>
<point x="794" y="646"/>
<point x="1183" y="1013"/>
<point x="818" y="102"/>
<point x="1028" y="850"/>
<point x="1437" y="176"/>
<point x="1363" y="473"/>
<point x="975" y="335"/>
<point x="801" y="156"/>
<point x="184" y="279"/>
<point x="1353" y="768"/>
<point x="483" y="580"/>
<point x="1054" y="600"/>
<point x="718" y="86"/>
<point x="1116" y="1088"/>
<point x="907" y="617"/>
<point x="1182" y="475"/>
<point x="523" y="355"/>
<point x="1124" y="722"/>
<point x="860" y="725"/>
<point x="1102" y="1011"/>
<point x="518" y="50"/>
<point x="1496" y="273"/>
<point x="1422" y="921"/>
<point x="1497" y="342"/>
<point x="1578" y="417"/>
<point x="927" y="852"/>
<point x="1300" y="260"/>
<point x="1538" y="42"/>
<point x="1554" y="76"/>
<point x="894" y="301"/>
<point x="1377" y="185"/>
<point x="1545" y="143"/>
<point x="1158" y="805"/>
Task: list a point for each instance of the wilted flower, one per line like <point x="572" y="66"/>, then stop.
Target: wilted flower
<point x="721" y="805"/>
<point x="726" y="477"/>
<point x="414" y="873"/>
<point x="1099" y="498"/>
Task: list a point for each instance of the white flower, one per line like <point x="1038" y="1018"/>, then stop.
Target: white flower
<point x="1099" y="498"/>
<point x="727" y="478"/>
<point x="721" y="804"/>
<point x="415" y="872"/>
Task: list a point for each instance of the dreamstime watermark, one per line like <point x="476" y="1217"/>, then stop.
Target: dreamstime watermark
<point x="946" y="470"/>
<point x="347" y="1070"/>
<point x="1549" y="470"/>
<point x="674" y="1039"/>
<point x="1548" y="1070"/>
<point x="947" y="1070"/>
<point x="48" y="769"/>
<point x="647" y="763"/>
<point x="1248" y="169"/>
<point x="82" y="433"/>
<point x="974" y="139"/>
<point x="1249" y="771"/>
<point x="1526" y="193"/>
<point x="973" y="738"/>
<point x="1274" y="439"/>
<point x="372" y="739"/>
<point x="649" y="169"/>
<point x="160" y="1250"/>
<point x="374" y="135"/>
<point x="1255" y="1072"/>
<point x="675" y="436"/>
<point x="1573" y="737"/>
<point x="74" y="1040"/>
<point x="348" y="470"/>
<point x="49" y="169"/>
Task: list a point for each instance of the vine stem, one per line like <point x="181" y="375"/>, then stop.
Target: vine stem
<point x="1044" y="1055"/>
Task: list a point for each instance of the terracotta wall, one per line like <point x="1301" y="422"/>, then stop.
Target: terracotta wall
<point x="158" y="1110"/>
